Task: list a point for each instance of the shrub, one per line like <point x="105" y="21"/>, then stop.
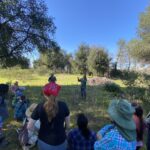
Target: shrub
<point x="115" y="73"/>
<point x="112" y="87"/>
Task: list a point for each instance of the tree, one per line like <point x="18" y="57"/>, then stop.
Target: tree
<point x="144" y="26"/>
<point x="55" y="59"/>
<point x="68" y="60"/>
<point x="24" y="26"/>
<point x="98" y="60"/>
<point x="124" y="55"/>
<point x="141" y="46"/>
<point x="23" y="62"/>
<point x="81" y="58"/>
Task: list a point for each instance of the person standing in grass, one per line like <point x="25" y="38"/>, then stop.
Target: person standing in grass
<point x="54" y="118"/>
<point x="83" y="86"/>
<point x="121" y="133"/>
<point x="81" y="138"/>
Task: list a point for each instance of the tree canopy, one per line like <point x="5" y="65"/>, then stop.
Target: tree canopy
<point x="81" y="58"/>
<point x="98" y="60"/>
<point x="141" y="45"/>
<point x="24" y="26"/>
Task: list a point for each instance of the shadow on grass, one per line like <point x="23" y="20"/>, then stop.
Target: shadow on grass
<point x="95" y="107"/>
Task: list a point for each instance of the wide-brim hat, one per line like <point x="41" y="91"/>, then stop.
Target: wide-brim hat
<point x="30" y="110"/>
<point x="121" y="112"/>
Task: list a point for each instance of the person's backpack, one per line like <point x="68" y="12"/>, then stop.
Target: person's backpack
<point x="23" y="135"/>
<point x="4" y="89"/>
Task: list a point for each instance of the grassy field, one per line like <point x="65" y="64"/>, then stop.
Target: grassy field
<point x="95" y="106"/>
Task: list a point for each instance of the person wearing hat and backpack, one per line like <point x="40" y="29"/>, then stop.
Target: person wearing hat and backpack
<point x="54" y="118"/>
<point x="121" y="133"/>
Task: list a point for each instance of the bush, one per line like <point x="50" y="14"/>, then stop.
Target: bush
<point x="112" y="87"/>
<point x="115" y="73"/>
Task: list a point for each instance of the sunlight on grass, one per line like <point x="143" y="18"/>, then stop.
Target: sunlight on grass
<point x="95" y="106"/>
<point x="120" y="83"/>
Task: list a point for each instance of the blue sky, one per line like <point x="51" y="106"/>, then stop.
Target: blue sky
<point x="95" y="22"/>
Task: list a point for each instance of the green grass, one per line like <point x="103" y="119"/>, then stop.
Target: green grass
<point x="95" y="106"/>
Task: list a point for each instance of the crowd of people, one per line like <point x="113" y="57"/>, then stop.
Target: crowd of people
<point x="47" y="123"/>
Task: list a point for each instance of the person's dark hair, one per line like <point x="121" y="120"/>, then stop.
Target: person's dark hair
<point x="139" y="114"/>
<point x="82" y="123"/>
<point x="52" y="78"/>
<point x="23" y="97"/>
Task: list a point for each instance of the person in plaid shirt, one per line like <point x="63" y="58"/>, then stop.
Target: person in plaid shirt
<point x="121" y="134"/>
<point x="81" y="138"/>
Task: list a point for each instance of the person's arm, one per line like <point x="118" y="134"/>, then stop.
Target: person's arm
<point x="33" y="119"/>
<point x="79" y="80"/>
<point x="103" y="131"/>
<point x="30" y="125"/>
<point x="67" y="117"/>
<point x="67" y="122"/>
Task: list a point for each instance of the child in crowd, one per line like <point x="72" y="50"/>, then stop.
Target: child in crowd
<point x="14" y="87"/>
<point x="16" y="97"/>
<point x="20" y="108"/>
<point x="81" y="138"/>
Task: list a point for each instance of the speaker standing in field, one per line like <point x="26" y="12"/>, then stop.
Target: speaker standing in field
<point x="83" y="86"/>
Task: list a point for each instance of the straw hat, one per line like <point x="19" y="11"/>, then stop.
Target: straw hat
<point x="30" y="110"/>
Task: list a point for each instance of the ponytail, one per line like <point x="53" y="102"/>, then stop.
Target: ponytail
<point x="82" y="123"/>
<point x="51" y="107"/>
<point x="85" y="132"/>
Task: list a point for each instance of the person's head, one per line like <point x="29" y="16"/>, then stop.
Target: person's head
<point x="134" y="104"/>
<point x="16" y="83"/>
<point x="23" y="98"/>
<point x="82" y="123"/>
<point x="18" y="93"/>
<point x="138" y="111"/>
<point x="30" y="110"/>
<point x="52" y="78"/>
<point x="51" y="91"/>
<point x="121" y="112"/>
